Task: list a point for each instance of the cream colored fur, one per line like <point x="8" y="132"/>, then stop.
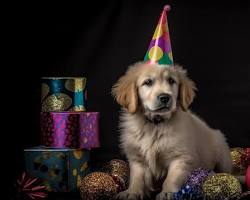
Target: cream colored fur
<point x="169" y="150"/>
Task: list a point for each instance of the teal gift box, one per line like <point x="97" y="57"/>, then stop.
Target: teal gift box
<point x="63" y="94"/>
<point x="60" y="169"/>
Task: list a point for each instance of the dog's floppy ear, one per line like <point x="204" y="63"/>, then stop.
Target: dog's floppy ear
<point x="125" y="92"/>
<point x="187" y="91"/>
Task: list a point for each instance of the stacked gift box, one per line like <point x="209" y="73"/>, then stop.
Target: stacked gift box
<point x="68" y="132"/>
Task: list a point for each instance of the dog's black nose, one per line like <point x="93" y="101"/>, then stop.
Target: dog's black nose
<point x="165" y="99"/>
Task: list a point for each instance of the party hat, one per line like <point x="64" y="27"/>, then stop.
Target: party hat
<point x="160" y="50"/>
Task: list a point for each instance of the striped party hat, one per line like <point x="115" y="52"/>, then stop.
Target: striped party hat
<point x="160" y="50"/>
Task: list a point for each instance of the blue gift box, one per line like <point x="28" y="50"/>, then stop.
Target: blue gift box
<point x="61" y="169"/>
<point x="63" y="94"/>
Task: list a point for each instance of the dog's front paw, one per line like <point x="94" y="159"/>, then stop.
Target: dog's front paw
<point x="126" y="195"/>
<point x="164" y="196"/>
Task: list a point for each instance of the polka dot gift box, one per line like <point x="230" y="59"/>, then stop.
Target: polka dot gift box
<point x="70" y="129"/>
<point x="63" y="94"/>
<point x="60" y="169"/>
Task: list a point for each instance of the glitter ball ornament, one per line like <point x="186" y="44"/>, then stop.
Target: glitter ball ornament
<point x="221" y="186"/>
<point x="97" y="186"/>
<point x="187" y="193"/>
<point x="248" y="177"/>
<point x="238" y="159"/>
<point x="192" y="188"/>
<point x="197" y="177"/>
<point x="119" y="169"/>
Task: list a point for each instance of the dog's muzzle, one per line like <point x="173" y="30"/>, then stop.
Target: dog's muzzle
<point x="165" y="100"/>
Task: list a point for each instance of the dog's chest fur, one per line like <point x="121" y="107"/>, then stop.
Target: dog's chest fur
<point x="148" y="143"/>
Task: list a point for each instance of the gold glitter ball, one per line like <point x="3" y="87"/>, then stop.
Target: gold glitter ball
<point x="221" y="186"/>
<point x="117" y="167"/>
<point x="97" y="186"/>
<point x="237" y="155"/>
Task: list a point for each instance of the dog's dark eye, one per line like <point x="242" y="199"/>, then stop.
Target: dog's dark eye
<point x="148" y="82"/>
<point x="171" y="81"/>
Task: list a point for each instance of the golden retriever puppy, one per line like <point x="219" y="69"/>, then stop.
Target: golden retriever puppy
<point x="161" y="138"/>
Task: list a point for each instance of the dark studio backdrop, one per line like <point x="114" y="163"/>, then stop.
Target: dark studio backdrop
<point x="99" y="40"/>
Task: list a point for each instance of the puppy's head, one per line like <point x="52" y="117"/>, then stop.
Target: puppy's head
<point x="155" y="90"/>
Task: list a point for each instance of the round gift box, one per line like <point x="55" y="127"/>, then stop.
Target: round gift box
<point x="63" y="94"/>
<point x="70" y="129"/>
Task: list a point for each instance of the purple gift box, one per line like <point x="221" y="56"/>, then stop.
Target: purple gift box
<point x="70" y="129"/>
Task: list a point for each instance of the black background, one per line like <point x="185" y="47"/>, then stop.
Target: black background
<point x="99" y="40"/>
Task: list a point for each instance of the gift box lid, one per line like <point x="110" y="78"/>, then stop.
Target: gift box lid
<point x="44" y="148"/>
<point x="64" y="77"/>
